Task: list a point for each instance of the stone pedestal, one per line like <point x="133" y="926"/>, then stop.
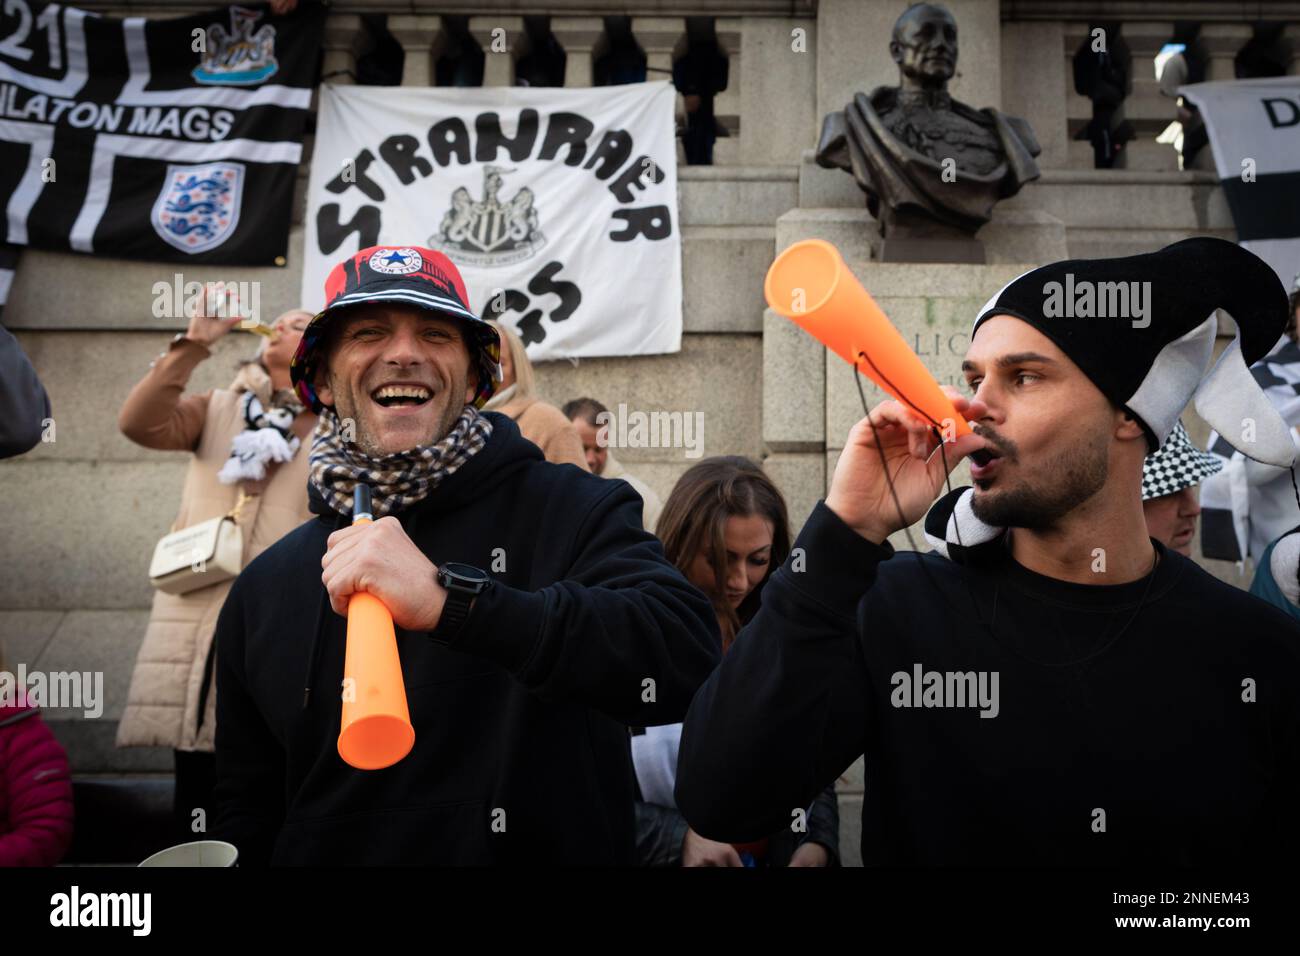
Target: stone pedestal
<point x="1023" y="235"/>
<point x="930" y="249"/>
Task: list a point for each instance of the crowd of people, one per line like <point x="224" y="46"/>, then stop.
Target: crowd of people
<point x="597" y="676"/>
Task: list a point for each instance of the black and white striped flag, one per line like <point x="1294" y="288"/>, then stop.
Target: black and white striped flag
<point x="1254" y="131"/>
<point x="154" y="139"/>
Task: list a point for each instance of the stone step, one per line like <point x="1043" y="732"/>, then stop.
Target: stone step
<point x="1143" y="154"/>
<point x="1191" y="201"/>
<point x="91" y="749"/>
<point x="735" y="195"/>
<point x="1107" y="243"/>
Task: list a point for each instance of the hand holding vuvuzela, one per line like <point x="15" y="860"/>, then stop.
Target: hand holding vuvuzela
<point x="375" y="730"/>
<point x="860" y="493"/>
<point x="810" y="284"/>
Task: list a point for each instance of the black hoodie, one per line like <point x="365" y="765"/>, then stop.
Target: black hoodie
<point x="521" y="749"/>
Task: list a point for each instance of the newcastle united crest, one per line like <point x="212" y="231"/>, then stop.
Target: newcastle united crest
<point x="240" y="57"/>
<point x="198" y="207"/>
<point x="493" y="231"/>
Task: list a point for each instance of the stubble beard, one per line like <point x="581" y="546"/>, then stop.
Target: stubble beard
<point x="366" y="437"/>
<point x="1083" y="471"/>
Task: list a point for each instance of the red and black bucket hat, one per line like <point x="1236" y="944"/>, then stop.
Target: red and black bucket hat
<point x="407" y="274"/>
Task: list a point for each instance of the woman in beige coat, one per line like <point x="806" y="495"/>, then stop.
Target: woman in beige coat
<point x="542" y="424"/>
<point x="172" y="698"/>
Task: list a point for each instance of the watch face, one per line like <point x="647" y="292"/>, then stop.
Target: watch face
<point x="465" y="575"/>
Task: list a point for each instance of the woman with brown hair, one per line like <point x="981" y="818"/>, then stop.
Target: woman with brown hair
<point x="725" y="528"/>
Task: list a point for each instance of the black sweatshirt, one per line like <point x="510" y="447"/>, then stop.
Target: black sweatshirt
<point x="521" y="748"/>
<point x="1113" y="742"/>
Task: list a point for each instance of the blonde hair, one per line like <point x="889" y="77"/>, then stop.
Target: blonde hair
<point x="265" y="340"/>
<point x="524" y="382"/>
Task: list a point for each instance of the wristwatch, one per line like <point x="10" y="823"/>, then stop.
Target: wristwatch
<point x="464" y="583"/>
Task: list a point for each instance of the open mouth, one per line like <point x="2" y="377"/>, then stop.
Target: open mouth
<point x="401" y="396"/>
<point x="983" y="463"/>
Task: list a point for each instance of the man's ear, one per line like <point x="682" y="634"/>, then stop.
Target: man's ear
<point x="896" y="51"/>
<point x="320" y="381"/>
<point x="1129" y="427"/>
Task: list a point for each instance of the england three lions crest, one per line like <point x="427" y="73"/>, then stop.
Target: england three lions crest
<point x="198" y="207"/>
<point x="239" y="57"/>
<point x="491" y="231"/>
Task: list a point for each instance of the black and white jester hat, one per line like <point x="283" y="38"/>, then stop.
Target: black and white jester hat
<point x="1158" y="354"/>
<point x="1154" y="364"/>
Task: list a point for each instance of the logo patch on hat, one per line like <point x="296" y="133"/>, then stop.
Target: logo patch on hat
<point x="395" y="262"/>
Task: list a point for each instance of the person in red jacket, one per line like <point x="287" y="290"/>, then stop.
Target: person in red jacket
<point x="35" y="787"/>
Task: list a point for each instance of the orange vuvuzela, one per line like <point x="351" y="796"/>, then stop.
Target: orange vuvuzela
<point x="810" y="284"/>
<point x="376" y="727"/>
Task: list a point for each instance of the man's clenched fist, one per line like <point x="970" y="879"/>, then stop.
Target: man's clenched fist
<point x="381" y="560"/>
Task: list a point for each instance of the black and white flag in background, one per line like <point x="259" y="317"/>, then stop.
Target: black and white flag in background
<point x="172" y="140"/>
<point x="559" y="206"/>
<point x="1254" y="131"/>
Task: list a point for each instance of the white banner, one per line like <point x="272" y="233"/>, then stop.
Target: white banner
<point x="559" y="206"/>
<point x="1254" y="131"/>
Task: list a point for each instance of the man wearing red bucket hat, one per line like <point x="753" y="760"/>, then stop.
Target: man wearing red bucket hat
<point x="534" y="618"/>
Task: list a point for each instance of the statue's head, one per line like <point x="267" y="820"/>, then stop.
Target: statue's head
<point x="924" y="45"/>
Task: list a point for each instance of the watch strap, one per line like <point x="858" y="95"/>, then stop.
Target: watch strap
<point x="455" y="611"/>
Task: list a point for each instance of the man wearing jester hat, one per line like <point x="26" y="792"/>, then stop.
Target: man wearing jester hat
<point x="1049" y="685"/>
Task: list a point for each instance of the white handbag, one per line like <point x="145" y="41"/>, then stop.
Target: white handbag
<point x="199" y="556"/>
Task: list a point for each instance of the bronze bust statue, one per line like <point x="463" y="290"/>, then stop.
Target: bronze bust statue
<point x="931" y="167"/>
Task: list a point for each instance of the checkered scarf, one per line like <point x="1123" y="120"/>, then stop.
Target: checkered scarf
<point x="396" y="481"/>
